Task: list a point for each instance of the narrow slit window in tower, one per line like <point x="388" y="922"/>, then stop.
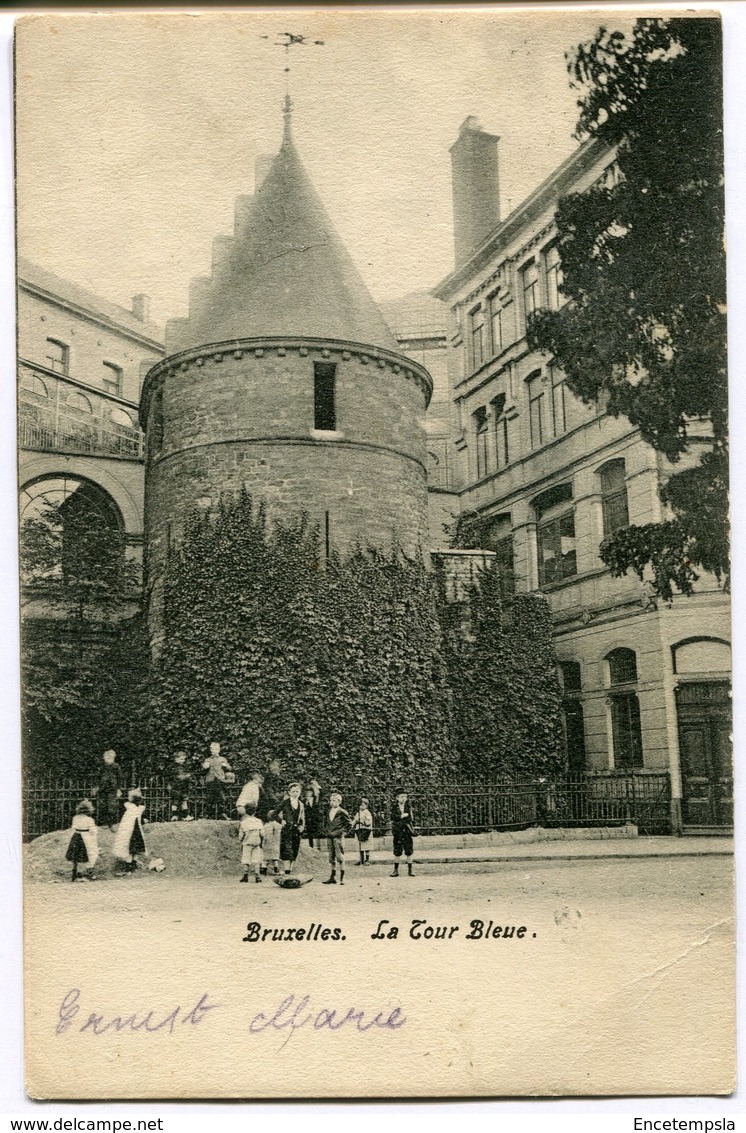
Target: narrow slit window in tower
<point x="324" y="414"/>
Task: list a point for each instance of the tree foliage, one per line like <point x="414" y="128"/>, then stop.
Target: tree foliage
<point x="335" y="669"/>
<point x="360" y="669"/>
<point x="502" y="672"/>
<point x="84" y="659"/>
<point x="644" y="270"/>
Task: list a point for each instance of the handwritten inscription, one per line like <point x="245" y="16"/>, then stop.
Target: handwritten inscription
<point x="292" y="1014"/>
<point x="145" y="1023"/>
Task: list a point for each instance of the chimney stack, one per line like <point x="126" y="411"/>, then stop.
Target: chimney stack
<point x="476" y="188"/>
<point x="141" y="307"/>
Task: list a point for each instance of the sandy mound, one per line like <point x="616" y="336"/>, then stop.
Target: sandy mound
<point x="206" y="848"/>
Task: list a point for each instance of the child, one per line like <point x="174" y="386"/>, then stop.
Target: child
<point x="180" y="777"/>
<point x="250" y="836"/>
<point x="129" y="841"/>
<point x="293" y="820"/>
<point x="109" y="790"/>
<point x="83" y="847"/>
<point x="313" y="816"/>
<point x="337" y="825"/>
<point x="402" y="827"/>
<point x="251" y="792"/>
<point x="362" y="825"/>
<point x="219" y="774"/>
<point x="271" y="842"/>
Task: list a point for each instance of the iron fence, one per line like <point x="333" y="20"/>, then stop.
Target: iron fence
<point x="465" y="807"/>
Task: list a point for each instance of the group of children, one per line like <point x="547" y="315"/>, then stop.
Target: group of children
<point x="83" y="849"/>
<point x="278" y="837"/>
<point x="273" y="820"/>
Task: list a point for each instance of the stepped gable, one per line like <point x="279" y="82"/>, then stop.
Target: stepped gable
<point x="286" y="273"/>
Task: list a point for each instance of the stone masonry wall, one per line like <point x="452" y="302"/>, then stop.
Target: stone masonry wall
<point x="244" y="418"/>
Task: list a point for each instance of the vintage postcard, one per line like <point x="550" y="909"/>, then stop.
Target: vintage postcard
<point x="372" y="443"/>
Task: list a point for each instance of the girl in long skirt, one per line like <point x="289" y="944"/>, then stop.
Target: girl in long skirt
<point x="83" y="848"/>
<point x="129" y="841"/>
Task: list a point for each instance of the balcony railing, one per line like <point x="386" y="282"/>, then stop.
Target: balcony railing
<point x="47" y="421"/>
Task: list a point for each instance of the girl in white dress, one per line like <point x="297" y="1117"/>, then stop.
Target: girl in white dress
<point x="129" y="841"/>
<point x="82" y="850"/>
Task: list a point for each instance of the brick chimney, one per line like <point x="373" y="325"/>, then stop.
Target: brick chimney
<point x="141" y="307"/>
<point x="476" y="189"/>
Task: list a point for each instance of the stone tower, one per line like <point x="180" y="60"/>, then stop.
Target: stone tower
<point x="285" y="380"/>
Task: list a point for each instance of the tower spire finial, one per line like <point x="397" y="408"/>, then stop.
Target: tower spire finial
<point x="290" y="39"/>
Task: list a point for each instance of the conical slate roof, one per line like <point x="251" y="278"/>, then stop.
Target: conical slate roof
<point x="286" y="273"/>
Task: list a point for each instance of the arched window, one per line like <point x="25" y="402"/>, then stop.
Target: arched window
<point x="79" y="402"/>
<point x="122" y="417"/>
<point x="32" y="383"/>
<point x="626" y="730"/>
<point x="614" y="497"/>
<point x="555" y="534"/>
<point x="71" y="532"/>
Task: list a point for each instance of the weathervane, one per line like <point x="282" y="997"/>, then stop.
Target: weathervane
<point x="290" y="39"/>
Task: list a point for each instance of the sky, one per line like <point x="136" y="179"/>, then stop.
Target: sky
<point x="136" y="132"/>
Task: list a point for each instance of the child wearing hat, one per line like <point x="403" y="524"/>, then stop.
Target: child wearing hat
<point x="337" y="824"/>
<point x="129" y="841"/>
<point x="82" y="850"/>
<point x="362" y="825"/>
<point x="402" y="828"/>
<point x="250" y="837"/>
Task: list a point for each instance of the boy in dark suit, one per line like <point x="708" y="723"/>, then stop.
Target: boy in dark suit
<point x="402" y="827"/>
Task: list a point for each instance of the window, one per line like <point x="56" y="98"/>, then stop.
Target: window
<point x="496" y="329"/>
<point x="626" y="731"/>
<point x="555" y="535"/>
<point x="324" y="410"/>
<point x="32" y="383"/>
<point x="553" y="277"/>
<point x="79" y="402"/>
<point x="476" y="323"/>
<point x="574" y="728"/>
<point x="497" y="536"/>
<point x="481" y="429"/>
<point x="530" y="281"/>
<point x="112" y="379"/>
<point x="622" y="666"/>
<point x="537" y="410"/>
<point x="614" y="497"/>
<point x="571" y="676"/>
<point x="559" y="417"/>
<point x="502" y="437"/>
<point x="121" y="417"/>
<point x="57" y="357"/>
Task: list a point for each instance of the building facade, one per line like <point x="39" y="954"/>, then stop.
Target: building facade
<point x="81" y="363"/>
<point x="646" y="685"/>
